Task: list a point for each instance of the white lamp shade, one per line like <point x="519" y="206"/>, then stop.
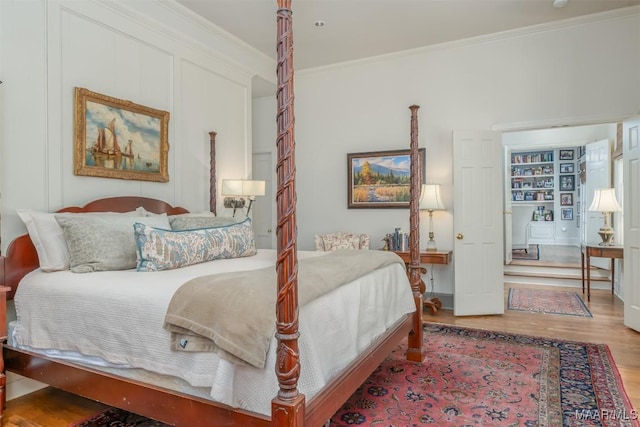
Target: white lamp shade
<point x="604" y="200"/>
<point x="242" y="187"/>
<point x="431" y="198"/>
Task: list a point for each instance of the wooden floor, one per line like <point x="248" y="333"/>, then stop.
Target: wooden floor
<point x="53" y="408"/>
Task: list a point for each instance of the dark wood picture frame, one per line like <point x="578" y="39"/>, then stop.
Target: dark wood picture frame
<point x="567" y="182"/>
<point x="115" y="138"/>
<point x="566" y="154"/>
<point x="567" y="168"/>
<point x="380" y="179"/>
<point x="567" y="214"/>
<point x="566" y="199"/>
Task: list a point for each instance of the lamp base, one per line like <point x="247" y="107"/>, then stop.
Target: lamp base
<point x="431" y="246"/>
<point x="606" y="234"/>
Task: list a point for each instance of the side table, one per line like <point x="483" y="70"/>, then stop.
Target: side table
<point x="587" y="250"/>
<point x="431" y="257"/>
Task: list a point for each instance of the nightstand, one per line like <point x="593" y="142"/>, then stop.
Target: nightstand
<point x="435" y="257"/>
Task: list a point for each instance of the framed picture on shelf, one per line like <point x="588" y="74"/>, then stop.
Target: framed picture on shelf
<point x="566" y="168"/>
<point x="566" y="199"/>
<point x="567" y="214"/>
<point x="567" y="183"/>
<point x="380" y="179"/>
<point x="566" y="155"/>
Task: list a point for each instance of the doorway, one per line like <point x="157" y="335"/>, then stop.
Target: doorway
<point x="547" y="233"/>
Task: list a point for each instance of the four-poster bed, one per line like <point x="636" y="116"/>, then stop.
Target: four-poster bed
<point x="289" y="407"/>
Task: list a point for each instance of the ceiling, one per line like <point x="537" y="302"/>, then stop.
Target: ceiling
<point x="362" y="28"/>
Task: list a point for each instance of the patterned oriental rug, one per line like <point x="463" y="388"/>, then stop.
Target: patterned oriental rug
<point x="476" y="377"/>
<point x="531" y="254"/>
<point x="547" y="301"/>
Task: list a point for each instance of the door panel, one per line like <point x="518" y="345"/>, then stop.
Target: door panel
<point x="478" y="223"/>
<point x="631" y="215"/>
<point x="598" y="163"/>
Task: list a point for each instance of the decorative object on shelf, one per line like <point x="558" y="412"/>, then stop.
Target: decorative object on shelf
<point x="567" y="183"/>
<point x="396" y="241"/>
<point x="119" y="139"/>
<point x="566" y="168"/>
<point x="566" y="154"/>
<point x="431" y="200"/>
<point x="380" y="179"/>
<point x="236" y="190"/>
<point x="566" y="199"/>
<point x="604" y="200"/>
<point x="567" y="214"/>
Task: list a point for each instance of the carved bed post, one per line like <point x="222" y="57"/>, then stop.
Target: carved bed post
<point x="212" y="173"/>
<point x="414" y="351"/>
<point x="287" y="408"/>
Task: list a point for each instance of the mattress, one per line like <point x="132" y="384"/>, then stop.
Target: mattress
<point x="113" y="321"/>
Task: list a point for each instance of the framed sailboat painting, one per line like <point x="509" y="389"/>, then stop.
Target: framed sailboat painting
<point x="119" y="139"/>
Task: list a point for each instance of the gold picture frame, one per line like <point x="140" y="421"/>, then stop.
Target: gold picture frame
<point x="119" y="139"/>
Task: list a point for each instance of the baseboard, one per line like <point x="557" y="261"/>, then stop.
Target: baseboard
<point x="446" y="299"/>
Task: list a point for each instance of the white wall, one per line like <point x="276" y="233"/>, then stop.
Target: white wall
<point x="575" y="72"/>
<point x="156" y="54"/>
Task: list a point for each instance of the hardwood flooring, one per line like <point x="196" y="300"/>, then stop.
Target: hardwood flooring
<point x="53" y="408"/>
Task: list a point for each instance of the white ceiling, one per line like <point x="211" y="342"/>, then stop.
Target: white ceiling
<point x="362" y="28"/>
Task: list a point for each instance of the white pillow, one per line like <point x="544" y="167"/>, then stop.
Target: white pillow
<point x="48" y="238"/>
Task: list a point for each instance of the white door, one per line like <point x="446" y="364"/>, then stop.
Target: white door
<point x="477" y="223"/>
<point x="508" y="210"/>
<point x="631" y="206"/>
<point x="598" y="164"/>
<point x="262" y="207"/>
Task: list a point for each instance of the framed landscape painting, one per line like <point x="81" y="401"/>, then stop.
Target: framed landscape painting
<point x="380" y="179"/>
<point x="119" y="139"/>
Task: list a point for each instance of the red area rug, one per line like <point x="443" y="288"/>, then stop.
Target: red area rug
<point x="547" y="301"/>
<point x="483" y="378"/>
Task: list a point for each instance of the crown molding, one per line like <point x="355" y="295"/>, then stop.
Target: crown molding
<point x="488" y="38"/>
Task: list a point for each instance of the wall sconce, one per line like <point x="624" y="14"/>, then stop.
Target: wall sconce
<point x="431" y="200"/>
<point x="237" y="189"/>
<point x="604" y="200"/>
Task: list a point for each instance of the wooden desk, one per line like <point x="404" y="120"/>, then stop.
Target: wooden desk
<point x="435" y="257"/>
<point x="587" y="250"/>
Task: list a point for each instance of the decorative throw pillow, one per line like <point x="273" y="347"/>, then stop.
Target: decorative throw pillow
<point x="104" y="243"/>
<point x="48" y="238"/>
<point x="160" y="249"/>
<point x="343" y="241"/>
<point x="180" y="222"/>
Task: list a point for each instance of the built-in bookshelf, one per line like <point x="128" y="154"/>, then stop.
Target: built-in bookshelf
<point x="532" y="177"/>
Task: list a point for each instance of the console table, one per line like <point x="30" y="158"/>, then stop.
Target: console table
<point x="431" y="257"/>
<point x="587" y="250"/>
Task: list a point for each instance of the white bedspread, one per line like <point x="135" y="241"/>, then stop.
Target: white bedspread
<point x="118" y="317"/>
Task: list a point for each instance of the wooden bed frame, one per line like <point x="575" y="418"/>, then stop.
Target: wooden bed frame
<point x="289" y="407"/>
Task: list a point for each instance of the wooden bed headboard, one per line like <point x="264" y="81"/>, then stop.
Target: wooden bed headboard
<point x="21" y="256"/>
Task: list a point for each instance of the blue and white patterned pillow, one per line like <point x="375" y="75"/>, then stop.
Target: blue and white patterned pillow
<point x="160" y="249"/>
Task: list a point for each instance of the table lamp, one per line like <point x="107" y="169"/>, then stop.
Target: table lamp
<point x="238" y="189"/>
<point x="431" y="200"/>
<point x="604" y="200"/>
